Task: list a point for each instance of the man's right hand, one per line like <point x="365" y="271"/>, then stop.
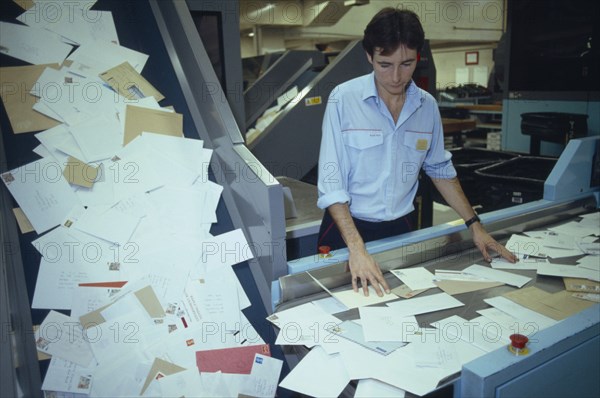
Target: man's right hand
<point x="363" y="267"/>
<point x="365" y="270"/>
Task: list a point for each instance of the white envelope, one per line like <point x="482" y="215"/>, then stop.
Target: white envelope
<point x="110" y="225"/>
<point x="32" y="45"/>
<point x="424" y="304"/>
<point x="496" y="275"/>
<point x="42" y="192"/>
<point x="66" y="376"/>
<point x="93" y="58"/>
<point x="56" y="281"/>
<point x="99" y="137"/>
<point x="62" y="336"/>
<point x="327" y="375"/>
<point x="415" y="278"/>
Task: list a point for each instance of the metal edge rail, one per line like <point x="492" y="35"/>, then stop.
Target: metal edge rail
<point x="19" y="369"/>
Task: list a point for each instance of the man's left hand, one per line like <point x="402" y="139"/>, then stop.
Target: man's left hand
<point x="485" y="242"/>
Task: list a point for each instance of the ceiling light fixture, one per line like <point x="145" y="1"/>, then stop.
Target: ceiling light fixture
<point x="352" y="3"/>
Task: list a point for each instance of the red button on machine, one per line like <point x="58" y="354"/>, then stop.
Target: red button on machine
<point x="518" y="343"/>
<point x="324" y="251"/>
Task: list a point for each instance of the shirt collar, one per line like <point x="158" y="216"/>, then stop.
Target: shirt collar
<point x="370" y="90"/>
<point x="415" y="95"/>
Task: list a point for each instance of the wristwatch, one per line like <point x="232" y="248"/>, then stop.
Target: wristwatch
<point x="472" y="220"/>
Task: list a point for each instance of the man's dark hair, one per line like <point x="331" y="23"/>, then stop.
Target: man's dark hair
<point x="390" y="28"/>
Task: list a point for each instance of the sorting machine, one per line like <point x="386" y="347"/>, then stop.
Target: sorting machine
<point x="563" y="359"/>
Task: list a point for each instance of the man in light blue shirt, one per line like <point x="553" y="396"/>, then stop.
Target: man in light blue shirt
<point x="379" y="130"/>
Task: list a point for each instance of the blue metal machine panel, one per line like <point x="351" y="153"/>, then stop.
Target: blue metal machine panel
<point x="572" y="374"/>
<point x="572" y="173"/>
<point x="563" y="362"/>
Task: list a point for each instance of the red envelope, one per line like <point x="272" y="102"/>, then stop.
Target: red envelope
<point x="230" y="360"/>
<point x="114" y="285"/>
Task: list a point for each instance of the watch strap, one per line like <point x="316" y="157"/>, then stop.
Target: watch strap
<point x="472" y="220"/>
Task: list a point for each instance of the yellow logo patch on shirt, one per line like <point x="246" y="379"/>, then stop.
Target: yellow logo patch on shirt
<point x="421" y="144"/>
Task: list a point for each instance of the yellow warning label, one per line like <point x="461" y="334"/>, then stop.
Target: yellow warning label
<point x="313" y="101"/>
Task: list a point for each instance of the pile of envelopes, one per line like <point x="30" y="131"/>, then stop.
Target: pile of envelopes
<point x="389" y="352"/>
<point x="123" y="207"/>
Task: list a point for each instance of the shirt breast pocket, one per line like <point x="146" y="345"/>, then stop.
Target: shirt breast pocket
<point x="363" y="139"/>
<point x="364" y="149"/>
<point x="418" y="141"/>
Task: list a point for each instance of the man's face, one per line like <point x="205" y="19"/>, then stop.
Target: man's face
<point x="393" y="71"/>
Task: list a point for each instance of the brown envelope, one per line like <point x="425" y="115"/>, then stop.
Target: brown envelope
<point x="557" y="306"/>
<point x="80" y="173"/>
<point x="581" y="285"/>
<point x="93" y="318"/>
<point x="138" y="120"/>
<point x="15" y="84"/>
<point x="22" y="220"/>
<point x="148" y="298"/>
<point x="458" y="287"/>
<point x="126" y="81"/>
<point x="533" y="298"/>
<point x="25" y="4"/>
<point x="564" y="302"/>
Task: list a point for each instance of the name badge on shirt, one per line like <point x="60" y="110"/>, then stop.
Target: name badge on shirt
<point x="421" y="144"/>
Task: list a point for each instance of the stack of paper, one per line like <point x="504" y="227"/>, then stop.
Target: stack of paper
<point x="570" y="239"/>
<point x="123" y="206"/>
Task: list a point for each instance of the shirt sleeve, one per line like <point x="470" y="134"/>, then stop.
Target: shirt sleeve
<point x="438" y="161"/>
<point x="333" y="170"/>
